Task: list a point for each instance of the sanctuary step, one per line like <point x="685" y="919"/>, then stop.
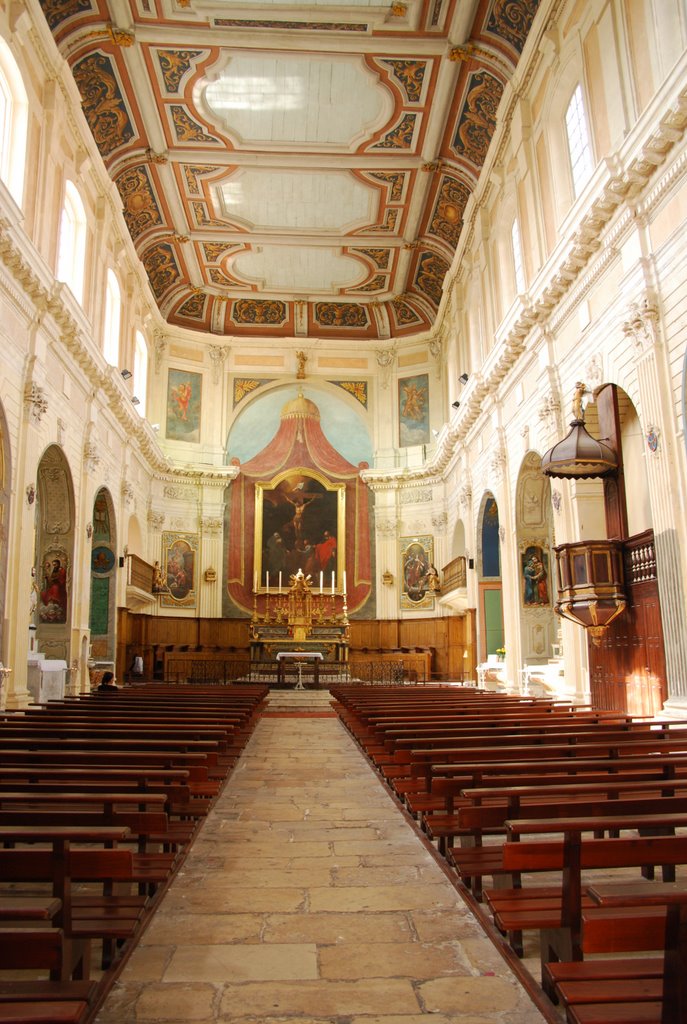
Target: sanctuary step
<point x="298" y="702"/>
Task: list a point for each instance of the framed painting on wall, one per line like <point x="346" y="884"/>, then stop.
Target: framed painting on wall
<point x="300" y="524"/>
<point x="417" y="562"/>
<point x="183" y="406"/>
<point x="179" y="552"/>
<point x="535" y="576"/>
<point x="413" y="410"/>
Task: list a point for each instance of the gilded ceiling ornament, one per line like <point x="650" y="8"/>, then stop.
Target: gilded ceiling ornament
<point x="410" y="73"/>
<point x="302" y="360"/>
<point x="103" y="103"/>
<point x="174" y="64"/>
<point x="186" y="128"/>
<point x="161" y="267"/>
<point x="395" y="180"/>
<point x="120" y="37"/>
<point x="447" y="218"/>
<point x="399" y="10"/>
<point x="478" y="117"/>
<point x="511" y="20"/>
<point x="356" y="388"/>
<point x="430" y="274"/>
<point x="341" y="314"/>
<point x="400" y="136"/>
<point x="140" y="207"/>
<point x="259" y="311"/>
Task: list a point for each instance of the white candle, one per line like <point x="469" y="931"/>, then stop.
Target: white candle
<point x="332" y="581"/>
<point x="344" y="581"/>
<point x="321" y="581"/>
<point x="255" y="582"/>
<point x="267" y="586"/>
<point x="280" y="581"/>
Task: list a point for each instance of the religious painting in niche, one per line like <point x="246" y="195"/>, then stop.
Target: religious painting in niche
<point x="413" y="410"/>
<point x="183" y="406"/>
<point x="179" y="569"/>
<point x="101" y="517"/>
<point x="417" y="564"/>
<point x="535" y="576"/>
<point x="53" y="591"/>
<point x="300" y="525"/>
<point x="102" y="560"/>
<point x="491" y="554"/>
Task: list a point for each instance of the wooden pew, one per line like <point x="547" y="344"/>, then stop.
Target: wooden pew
<point x="40" y="950"/>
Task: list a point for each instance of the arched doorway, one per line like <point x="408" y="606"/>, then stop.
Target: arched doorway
<point x="55" y="552"/>
<point x="103" y="579"/>
<point x="627" y="667"/>
<point x="489" y="569"/>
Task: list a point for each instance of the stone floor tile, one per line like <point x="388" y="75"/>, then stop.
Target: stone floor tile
<point x="334" y="929"/>
<point x="390" y="960"/>
<point x="309" y="895"/>
<point x="263" y="962"/>
<point x="320" y="998"/>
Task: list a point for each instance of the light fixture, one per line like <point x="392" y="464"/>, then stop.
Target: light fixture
<point x="155" y="427"/>
<point x="135" y="401"/>
<point x="435" y="433"/>
<point x="579" y="456"/>
<point x="455" y="404"/>
<point x="126" y="374"/>
<point x="463" y="378"/>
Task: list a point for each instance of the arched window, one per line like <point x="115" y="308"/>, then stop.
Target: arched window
<point x="141" y="372"/>
<point x="113" y="307"/>
<point x="518" y="266"/>
<point x="579" y="147"/>
<point x="14" y="107"/>
<point x="71" y="257"/>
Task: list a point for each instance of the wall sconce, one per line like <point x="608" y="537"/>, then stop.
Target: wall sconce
<point x="155" y="427"/>
<point x="126" y="374"/>
<point x="463" y="378"/>
<point x="134" y="400"/>
<point x="455" y="405"/>
<point x="387" y="578"/>
<point x="210" y="575"/>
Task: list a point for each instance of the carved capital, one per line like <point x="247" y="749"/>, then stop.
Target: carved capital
<point x="465" y="497"/>
<point x="440" y="522"/>
<point x="641" y="324"/>
<point x="91" y="458"/>
<point x="211" y="525"/>
<point x="127" y="493"/>
<point x="218" y="356"/>
<point x="387" y="527"/>
<point x="385" y="361"/>
<point x="35" y="401"/>
<point x="156" y="519"/>
<point x="160" y="349"/>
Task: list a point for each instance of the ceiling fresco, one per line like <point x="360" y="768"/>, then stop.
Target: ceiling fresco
<point x="293" y="170"/>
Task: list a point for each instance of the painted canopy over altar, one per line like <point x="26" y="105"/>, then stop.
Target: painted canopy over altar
<point x="303" y="464"/>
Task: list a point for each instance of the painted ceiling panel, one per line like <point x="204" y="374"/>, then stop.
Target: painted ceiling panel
<point x="305" y="269"/>
<point x="296" y="100"/>
<point x="291" y="169"/>
<point x="298" y="201"/>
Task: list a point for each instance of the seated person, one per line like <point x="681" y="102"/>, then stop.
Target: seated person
<point x="107" y="682"/>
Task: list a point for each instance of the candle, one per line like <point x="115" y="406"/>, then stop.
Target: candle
<point x="332" y="581"/>
<point x="344" y="582"/>
<point x="255" y="582"/>
<point x="280" y="581"/>
<point x="267" y="586"/>
<point x="321" y="582"/>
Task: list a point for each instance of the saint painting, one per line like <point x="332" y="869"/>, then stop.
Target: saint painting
<point x="53" y="593"/>
<point x="413" y="407"/>
<point x="183" y="406"/>
<point x="535" y="576"/>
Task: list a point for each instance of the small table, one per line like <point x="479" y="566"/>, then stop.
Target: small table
<point x="298" y="657"/>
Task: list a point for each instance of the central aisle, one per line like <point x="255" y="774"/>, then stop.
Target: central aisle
<point x="308" y="895"/>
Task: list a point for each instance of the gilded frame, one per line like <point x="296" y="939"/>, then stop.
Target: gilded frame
<point x="303" y="507"/>
<point x="179" y="558"/>
<point x="416" y="557"/>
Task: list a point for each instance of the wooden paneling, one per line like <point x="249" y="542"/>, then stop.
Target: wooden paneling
<point x="446" y="638"/>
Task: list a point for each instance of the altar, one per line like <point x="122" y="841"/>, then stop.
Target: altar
<point x="299" y="659"/>
<point x="299" y="625"/>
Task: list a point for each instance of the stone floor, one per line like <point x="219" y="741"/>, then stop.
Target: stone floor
<point x="308" y="895"/>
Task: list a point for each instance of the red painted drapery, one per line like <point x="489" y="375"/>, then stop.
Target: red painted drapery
<point x="299" y="444"/>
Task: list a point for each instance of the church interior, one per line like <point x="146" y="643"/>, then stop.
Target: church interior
<point x="455" y="464"/>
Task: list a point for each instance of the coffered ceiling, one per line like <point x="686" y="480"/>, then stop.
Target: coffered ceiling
<point x="293" y="169"/>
